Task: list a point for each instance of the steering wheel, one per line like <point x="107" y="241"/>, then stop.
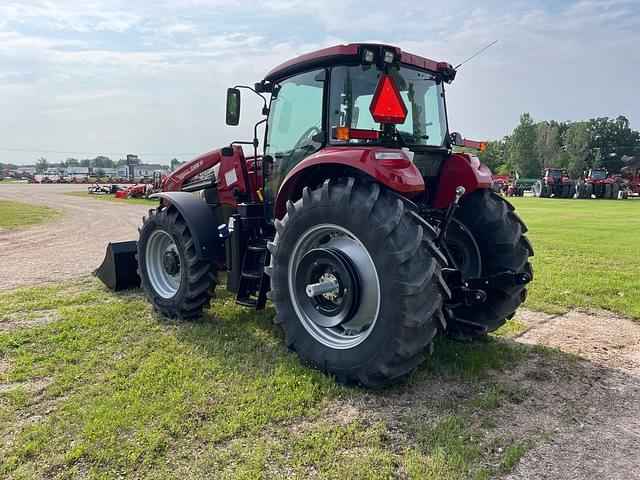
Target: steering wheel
<point x="308" y="134"/>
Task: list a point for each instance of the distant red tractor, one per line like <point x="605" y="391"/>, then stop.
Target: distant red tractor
<point x="597" y="183"/>
<point x="630" y="177"/>
<point x="554" y="183"/>
<point x="500" y="183"/>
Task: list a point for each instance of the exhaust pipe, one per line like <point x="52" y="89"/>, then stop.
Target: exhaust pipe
<point x="119" y="269"/>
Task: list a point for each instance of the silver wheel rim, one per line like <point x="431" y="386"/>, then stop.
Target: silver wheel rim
<point x="164" y="282"/>
<point x="362" y="322"/>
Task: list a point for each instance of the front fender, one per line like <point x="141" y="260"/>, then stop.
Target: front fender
<point x="391" y="167"/>
<point x="201" y="220"/>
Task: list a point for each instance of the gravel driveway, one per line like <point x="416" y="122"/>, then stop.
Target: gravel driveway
<point x="68" y="247"/>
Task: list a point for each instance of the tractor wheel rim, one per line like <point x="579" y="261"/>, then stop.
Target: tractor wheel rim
<point x="163" y="263"/>
<point x="344" y="317"/>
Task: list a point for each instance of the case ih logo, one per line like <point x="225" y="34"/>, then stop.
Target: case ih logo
<point x="193" y="167"/>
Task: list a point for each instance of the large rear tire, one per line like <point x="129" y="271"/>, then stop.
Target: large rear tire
<point x="377" y="330"/>
<point x="589" y="191"/>
<point x="608" y="192"/>
<point x="176" y="283"/>
<point x="615" y="191"/>
<point x="537" y="188"/>
<point x="499" y="235"/>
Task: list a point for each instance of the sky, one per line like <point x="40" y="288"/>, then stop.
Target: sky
<point x="81" y="78"/>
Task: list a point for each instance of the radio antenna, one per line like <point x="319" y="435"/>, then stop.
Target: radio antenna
<point x="476" y="54"/>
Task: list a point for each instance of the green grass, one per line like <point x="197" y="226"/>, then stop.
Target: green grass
<point x="9" y="181"/>
<point x="17" y="214"/>
<point x="112" y="198"/>
<point x="110" y="389"/>
<point x="586" y="254"/>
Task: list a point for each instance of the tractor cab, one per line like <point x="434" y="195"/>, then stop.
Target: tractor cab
<point x="597" y="174"/>
<point x="555" y="174"/>
<point x="354" y="98"/>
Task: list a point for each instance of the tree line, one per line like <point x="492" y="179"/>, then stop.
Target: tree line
<point x="575" y="146"/>
<point x="99" y="162"/>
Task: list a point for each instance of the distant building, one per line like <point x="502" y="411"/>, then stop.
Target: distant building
<point x="118" y="172"/>
<point x="143" y="170"/>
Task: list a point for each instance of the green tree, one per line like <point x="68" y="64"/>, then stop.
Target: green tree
<point x="103" y="162"/>
<point x="42" y="165"/>
<point x="71" y="162"/>
<point x="99" y="173"/>
<point x="548" y="143"/>
<point x="609" y="140"/>
<point x="576" y="144"/>
<point x="523" y="158"/>
<point x="495" y="157"/>
<point x="175" y="163"/>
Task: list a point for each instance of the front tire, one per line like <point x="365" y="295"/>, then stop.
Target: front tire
<point x="360" y="236"/>
<point x="498" y="234"/>
<point x="176" y="283"/>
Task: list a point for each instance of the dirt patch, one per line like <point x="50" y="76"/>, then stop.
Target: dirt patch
<point x="588" y="417"/>
<point x="16" y="321"/>
<point x="35" y="387"/>
<point x="68" y="247"/>
<point x="602" y="337"/>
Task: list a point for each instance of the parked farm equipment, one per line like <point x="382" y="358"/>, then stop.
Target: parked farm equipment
<point x="501" y="183"/>
<point x="630" y="181"/>
<point x="99" y="189"/>
<point x="359" y="223"/>
<point x="597" y="183"/>
<point x="554" y="183"/>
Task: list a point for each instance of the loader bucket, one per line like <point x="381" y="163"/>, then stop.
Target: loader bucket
<point x="119" y="269"/>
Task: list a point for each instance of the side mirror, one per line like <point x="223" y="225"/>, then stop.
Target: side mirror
<point x="233" y="106"/>
<point x="455" y="138"/>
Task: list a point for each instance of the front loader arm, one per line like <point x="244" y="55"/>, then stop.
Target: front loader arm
<point x="181" y="176"/>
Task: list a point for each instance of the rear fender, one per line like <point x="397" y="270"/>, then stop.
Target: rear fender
<point x="461" y="169"/>
<point x="391" y="167"/>
<point x="202" y="221"/>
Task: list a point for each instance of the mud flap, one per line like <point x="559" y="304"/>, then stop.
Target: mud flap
<point x="119" y="269"/>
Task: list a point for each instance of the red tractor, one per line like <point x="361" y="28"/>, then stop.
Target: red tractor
<point x="357" y="221"/>
<point x="630" y="177"/>
<point x="554" y="183"/>
<point x="596" y="182"/>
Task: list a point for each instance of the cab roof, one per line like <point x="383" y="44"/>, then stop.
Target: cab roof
<point x="339" y="54"/>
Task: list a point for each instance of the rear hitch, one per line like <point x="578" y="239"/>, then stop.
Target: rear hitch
<point x="472" y="291"/>
<point x="500" y="280"/>
<point x="461" y="291"/>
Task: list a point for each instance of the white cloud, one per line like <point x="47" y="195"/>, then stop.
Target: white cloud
<point x="152" y="75"/>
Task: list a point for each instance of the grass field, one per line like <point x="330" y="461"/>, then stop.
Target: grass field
<point x="99" y="386"/>
<point x="587" y="253"/>
<point x="18" y="214"/>
<point x="111" y="198"/>
<point x="94" y="384"/>
<point x="10" y="181"/>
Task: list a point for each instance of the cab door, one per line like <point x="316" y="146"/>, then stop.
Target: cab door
<point x="294" y="129"/>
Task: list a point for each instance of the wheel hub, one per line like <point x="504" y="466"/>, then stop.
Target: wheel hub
<point x="171" y="262"/>
<point x="327" y="286"/>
